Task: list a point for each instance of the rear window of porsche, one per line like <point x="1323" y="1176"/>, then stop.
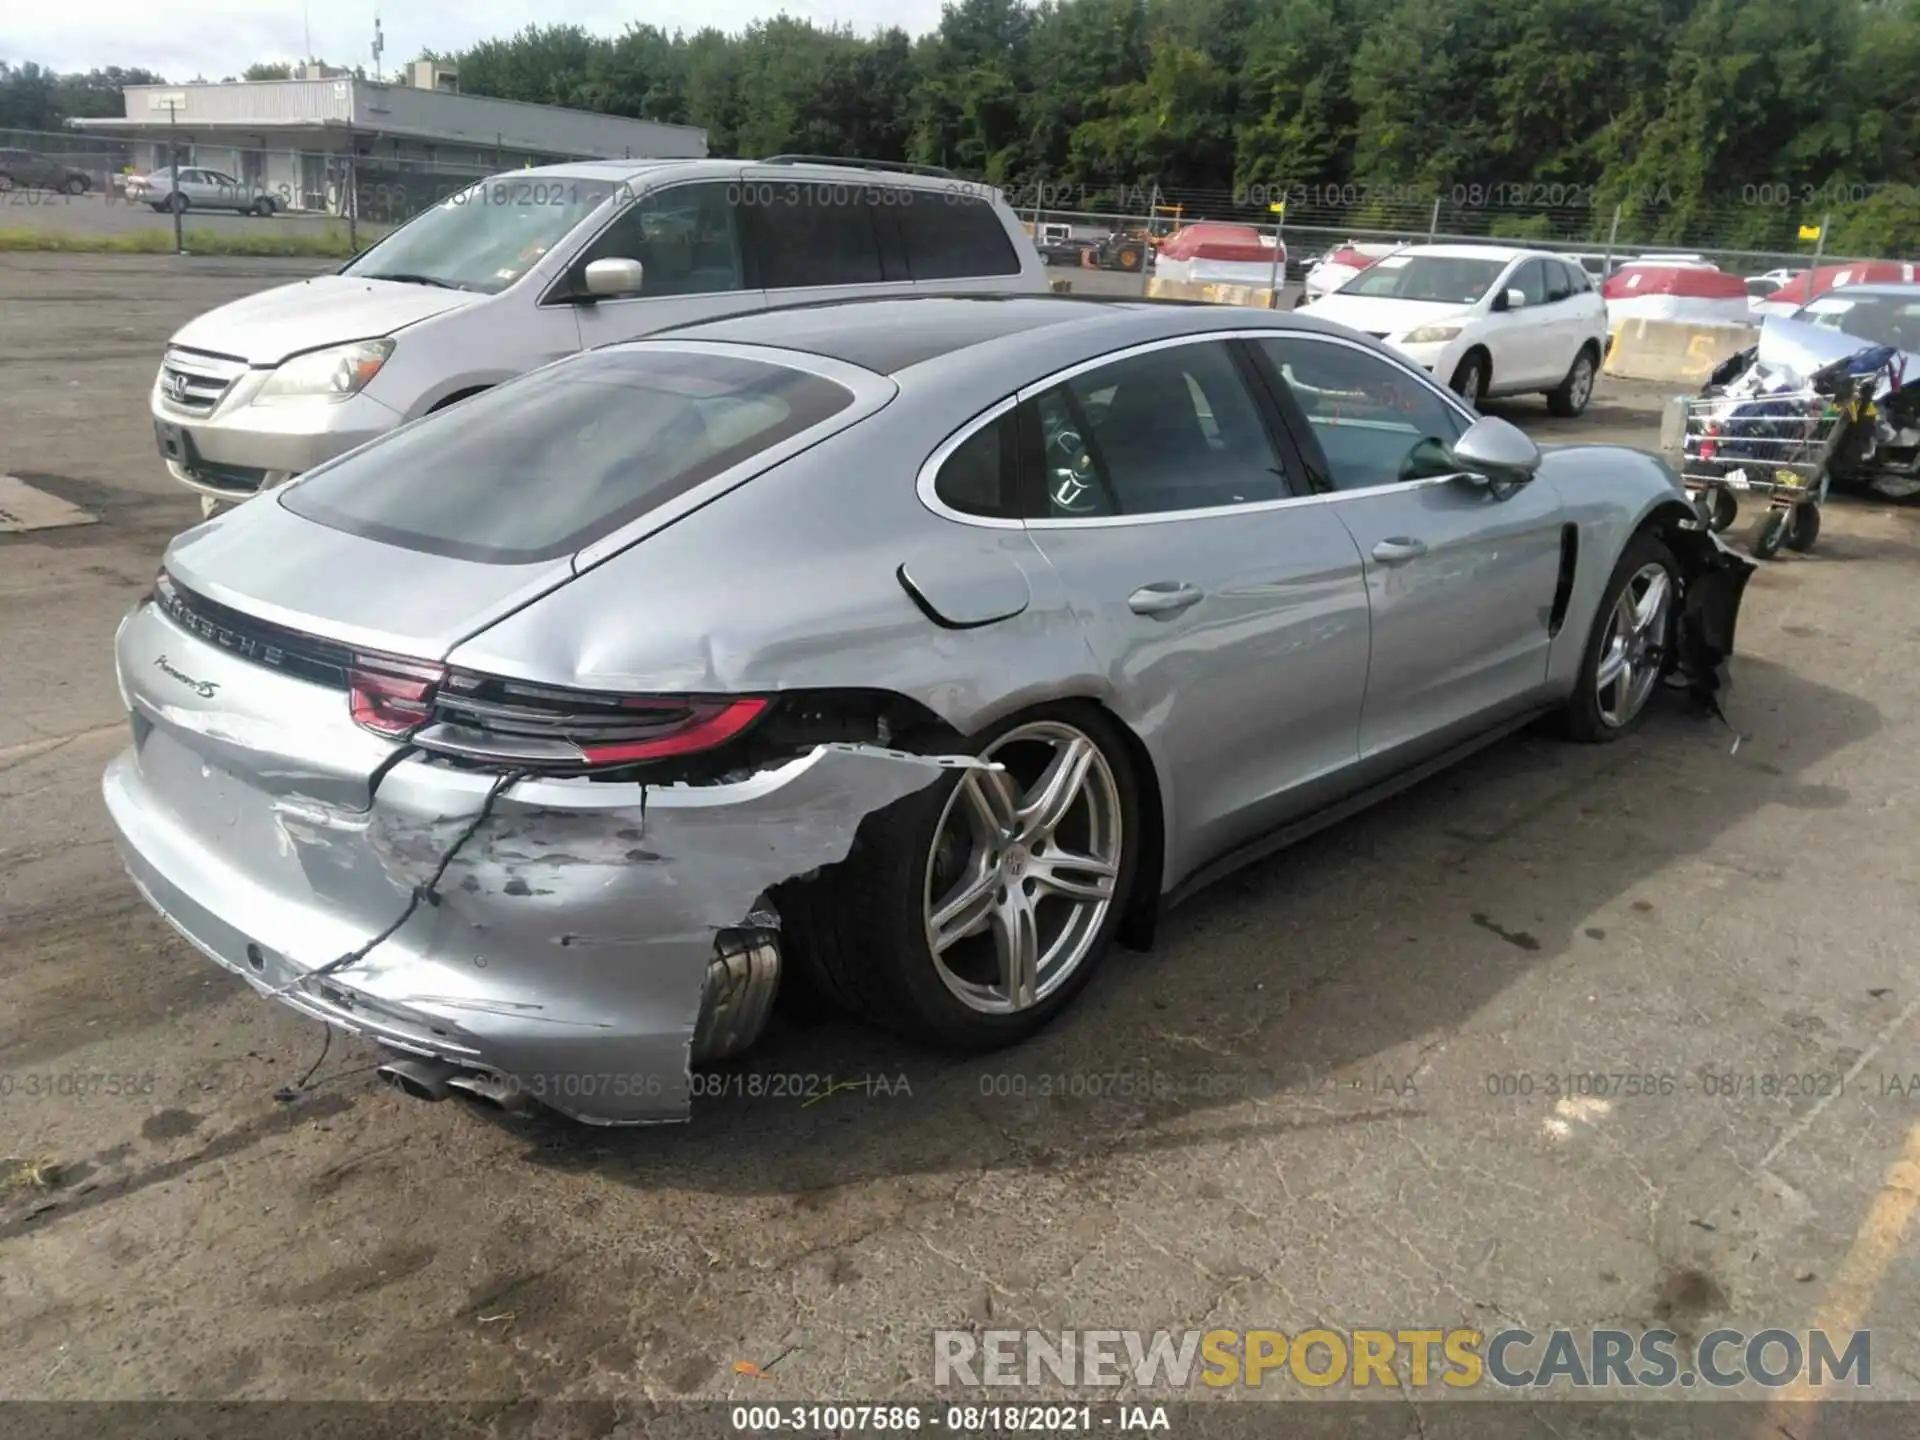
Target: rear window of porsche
<point x="544" y="465"/>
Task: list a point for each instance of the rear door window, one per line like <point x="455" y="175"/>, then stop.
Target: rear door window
<point x="1170" y="429"/>
<point x="808" y="234"/>
<point x="954" y="237"/>
<point x="540" y="466"/>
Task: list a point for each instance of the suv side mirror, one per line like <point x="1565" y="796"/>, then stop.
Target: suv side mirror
<point x="612" y="277"/>
<point x="1497" y="450"/>
<point x="1512" y="298"/>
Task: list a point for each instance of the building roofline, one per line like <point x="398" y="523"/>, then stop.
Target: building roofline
<point x="416" y="90"/>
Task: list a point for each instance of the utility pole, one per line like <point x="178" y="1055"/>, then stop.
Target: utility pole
<point x="1274" y="277"/>
<point x="1820" y="241"/>
<point x="173" y="103"/>
<point x="1433" y="221"/>
<point x="1606" y="264"/>
<point x="173" y="188"/>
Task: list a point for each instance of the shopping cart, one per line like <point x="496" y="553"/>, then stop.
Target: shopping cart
<point x="1774" y="447"/>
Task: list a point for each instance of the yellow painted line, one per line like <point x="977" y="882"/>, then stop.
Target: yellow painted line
<point x="1850" y="1296"/>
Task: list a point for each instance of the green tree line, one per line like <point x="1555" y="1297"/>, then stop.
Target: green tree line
<point x="1728" y="122"/>
<point x="1724" y="121"/>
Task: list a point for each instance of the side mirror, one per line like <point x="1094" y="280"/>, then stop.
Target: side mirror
<point x="1497" y="450"/>
<point x="1512" y="298"/>
<point x="608" y="278"/>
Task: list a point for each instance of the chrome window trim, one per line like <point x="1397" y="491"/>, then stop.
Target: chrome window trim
<point x="929" y="470"/>
<point x="927" y="483"/>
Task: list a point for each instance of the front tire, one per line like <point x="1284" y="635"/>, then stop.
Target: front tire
<point x="970" y="914"/>
<point x="1718" y="509"/>
<point x="1771" y="533"/>
<point x="1573" y="393"/>
<point x="1470" y="378"/>
<point x="1627" y="649"/>
<point x="1804" y="528"/>
<point x="76" y="185"/>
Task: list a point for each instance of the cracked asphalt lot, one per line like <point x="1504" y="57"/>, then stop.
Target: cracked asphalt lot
<point x="1326" y="1097"/>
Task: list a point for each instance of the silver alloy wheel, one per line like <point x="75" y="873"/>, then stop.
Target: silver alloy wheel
<point x="1470" y="385"/>
<point x="1633" y="646"/>
<point x="1024" y="864"/>
<point x="1581" y="389"/>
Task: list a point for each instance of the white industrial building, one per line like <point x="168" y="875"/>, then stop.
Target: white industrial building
<point x="300" y="138"/>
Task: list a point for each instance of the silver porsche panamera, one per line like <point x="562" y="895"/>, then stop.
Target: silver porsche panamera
<point x="917" y="649"/>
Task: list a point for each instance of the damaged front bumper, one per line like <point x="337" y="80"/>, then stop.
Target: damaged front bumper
<point x="586" y="944"/>
<point x="1715" y="583"/>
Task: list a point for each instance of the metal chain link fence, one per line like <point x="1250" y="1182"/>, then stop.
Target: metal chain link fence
<point x="358" y="196"/>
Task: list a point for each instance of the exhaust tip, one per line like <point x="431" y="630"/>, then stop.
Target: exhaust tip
<point x="421" y="1079"/>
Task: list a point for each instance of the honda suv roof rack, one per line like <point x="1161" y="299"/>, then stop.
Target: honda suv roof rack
<point x="937" y="170"/>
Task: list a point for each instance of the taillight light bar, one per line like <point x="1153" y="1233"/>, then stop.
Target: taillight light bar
<point x="702" y="725"/>
<point x="391" y="696"/>
<point x="490" y="720"/>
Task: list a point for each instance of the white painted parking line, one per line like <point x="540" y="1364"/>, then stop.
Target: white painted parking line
<point x="24" y="508"/>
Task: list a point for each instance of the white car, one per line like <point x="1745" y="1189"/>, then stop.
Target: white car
<point x="1483" y="319"/>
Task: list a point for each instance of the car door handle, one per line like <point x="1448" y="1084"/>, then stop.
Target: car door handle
<point x="1164" y="597"/>
<point x="1399" y="550"/>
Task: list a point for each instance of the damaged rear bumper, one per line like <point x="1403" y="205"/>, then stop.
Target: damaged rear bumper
<point x="588" y="943"/>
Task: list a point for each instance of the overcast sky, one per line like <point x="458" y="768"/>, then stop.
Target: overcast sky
<point x="184" y="38"/>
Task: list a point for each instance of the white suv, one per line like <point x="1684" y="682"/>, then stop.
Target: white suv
<point x="533" y="265"/>
<point x="1484" y="319"/>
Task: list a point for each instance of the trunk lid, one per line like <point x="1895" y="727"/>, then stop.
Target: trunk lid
<point x="272" y="565"/>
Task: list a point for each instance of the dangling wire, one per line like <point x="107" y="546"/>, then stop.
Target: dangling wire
<point x="428" y="893"/>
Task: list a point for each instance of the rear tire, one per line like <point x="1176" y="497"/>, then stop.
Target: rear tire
<point x="1573" y="393"/>
<point x="861" y="932"/>
<point x="1470" y="378"/>
<point x="177" y="203"/>
<point x="1632" y="634"/>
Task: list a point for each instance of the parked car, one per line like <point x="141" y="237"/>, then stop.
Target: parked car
<point x="919" y="645"/>
<point x="1339" y="265"/>
<point x="1485" y="319"/>
<point x="1057" y="246"/>
<point x="30" y="170"/>
<point x="535" y="264"/>
<point x="197" y="188"/>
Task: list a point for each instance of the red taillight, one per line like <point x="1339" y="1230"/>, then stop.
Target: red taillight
<point x="515" y="722"/>
<point x="391" y="696"/>
<point x="688" y="727"/>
